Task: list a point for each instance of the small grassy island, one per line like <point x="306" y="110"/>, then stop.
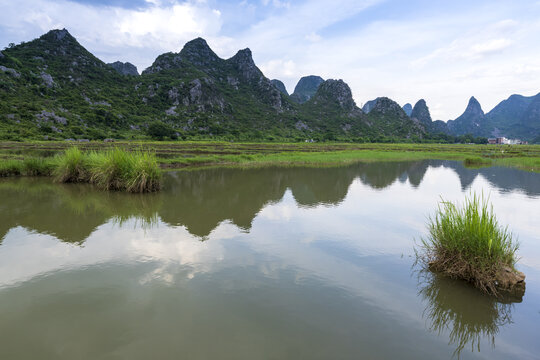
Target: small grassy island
<point x="468" y="243"/>
<point x="112" y="169"/>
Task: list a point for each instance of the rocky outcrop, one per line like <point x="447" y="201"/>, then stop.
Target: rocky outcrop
<point x="10" y="71"/>
<point x="306" y="88"/>
<point x="244" y="64"/>
<point x="60" y="34"/>
<point x="47" y="79"/>
<point x="408" y="109"/>
<point x="386" y="106"/>
<point x="280" y="86"/>
<point x="336" y="91"/>
<point x="46" y="116"/>
<point x="196" y="52"/>
<point x="163" y="62"/>
<point x="203" y="94"/>
<point x="124" y="68"/>
<point x="200" y="54"/>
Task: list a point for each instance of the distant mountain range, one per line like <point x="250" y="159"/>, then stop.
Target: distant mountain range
<point x="52" y="87"/>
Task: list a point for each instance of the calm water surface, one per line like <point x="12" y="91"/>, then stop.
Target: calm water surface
<point x="258" y="264"/>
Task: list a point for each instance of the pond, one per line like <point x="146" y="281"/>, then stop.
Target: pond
<point x="270" y="263"/>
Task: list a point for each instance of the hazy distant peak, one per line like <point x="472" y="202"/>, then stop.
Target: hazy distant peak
<point x="474" y="107"/>
<point x="408" y="109"/>
<point x="307" y="87"/>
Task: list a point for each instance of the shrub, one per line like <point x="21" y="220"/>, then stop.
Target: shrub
<point x="159" y="130"/>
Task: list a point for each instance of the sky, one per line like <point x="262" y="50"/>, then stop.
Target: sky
<point x="441" y="51"/>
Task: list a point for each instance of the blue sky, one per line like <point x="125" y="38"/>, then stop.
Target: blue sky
<point x="442" y="51"/>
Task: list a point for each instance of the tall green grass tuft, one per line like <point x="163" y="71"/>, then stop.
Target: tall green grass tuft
<point x="145" y="174"/>
<point x="37" y="167"/>
<point x="468" y="243"/>
<point x="118" y="169"/>
<point x="72" y="166"/>
<point x="115" y="169"/>
<point x="10" y="168"/>
<point x="110" y="170"/>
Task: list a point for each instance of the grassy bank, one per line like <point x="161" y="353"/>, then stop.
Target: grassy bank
<point x="113" y="169"/>
<point x="182" y="154"/>
<point x="27" y="167"/>
<point x="468" y="243"/>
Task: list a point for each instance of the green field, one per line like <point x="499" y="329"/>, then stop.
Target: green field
<point x="184" y="154"/>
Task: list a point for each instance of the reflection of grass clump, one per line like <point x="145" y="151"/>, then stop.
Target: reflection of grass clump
<point x="114" y="169"/>
<point x="469" y="244"/>
<point x="476" y="161"/>
<point x="469" y="316"/>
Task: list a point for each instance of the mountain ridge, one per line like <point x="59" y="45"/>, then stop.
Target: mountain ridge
<point x="59" y="89"/>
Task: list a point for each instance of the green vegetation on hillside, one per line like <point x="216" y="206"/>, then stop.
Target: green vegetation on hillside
<point x="52" y="88"/>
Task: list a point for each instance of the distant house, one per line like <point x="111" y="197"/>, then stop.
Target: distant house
<point x="505" y="141"/>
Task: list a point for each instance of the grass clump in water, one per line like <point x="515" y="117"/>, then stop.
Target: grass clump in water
<point x="128" y="171"/>
<point x="114" y="169"/>
<point x="37" y="167"/>
<point x="10" y="168"/>
<point x="72" y="166"/>
<point x="145" y="174"/>
<point x="468" y="243"/>
<point x="26" y="167"/>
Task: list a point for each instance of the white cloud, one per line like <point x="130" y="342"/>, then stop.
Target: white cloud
<point x="314" y="37"/>
<point x="113" y="33"/>
<point x="280" y="68"/>
<point x="277" y="3"/>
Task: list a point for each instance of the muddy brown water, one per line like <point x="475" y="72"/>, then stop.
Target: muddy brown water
<point x="272" y="263"/>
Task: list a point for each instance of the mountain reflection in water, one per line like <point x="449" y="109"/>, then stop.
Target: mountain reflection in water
<point x="200" y="200"/>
